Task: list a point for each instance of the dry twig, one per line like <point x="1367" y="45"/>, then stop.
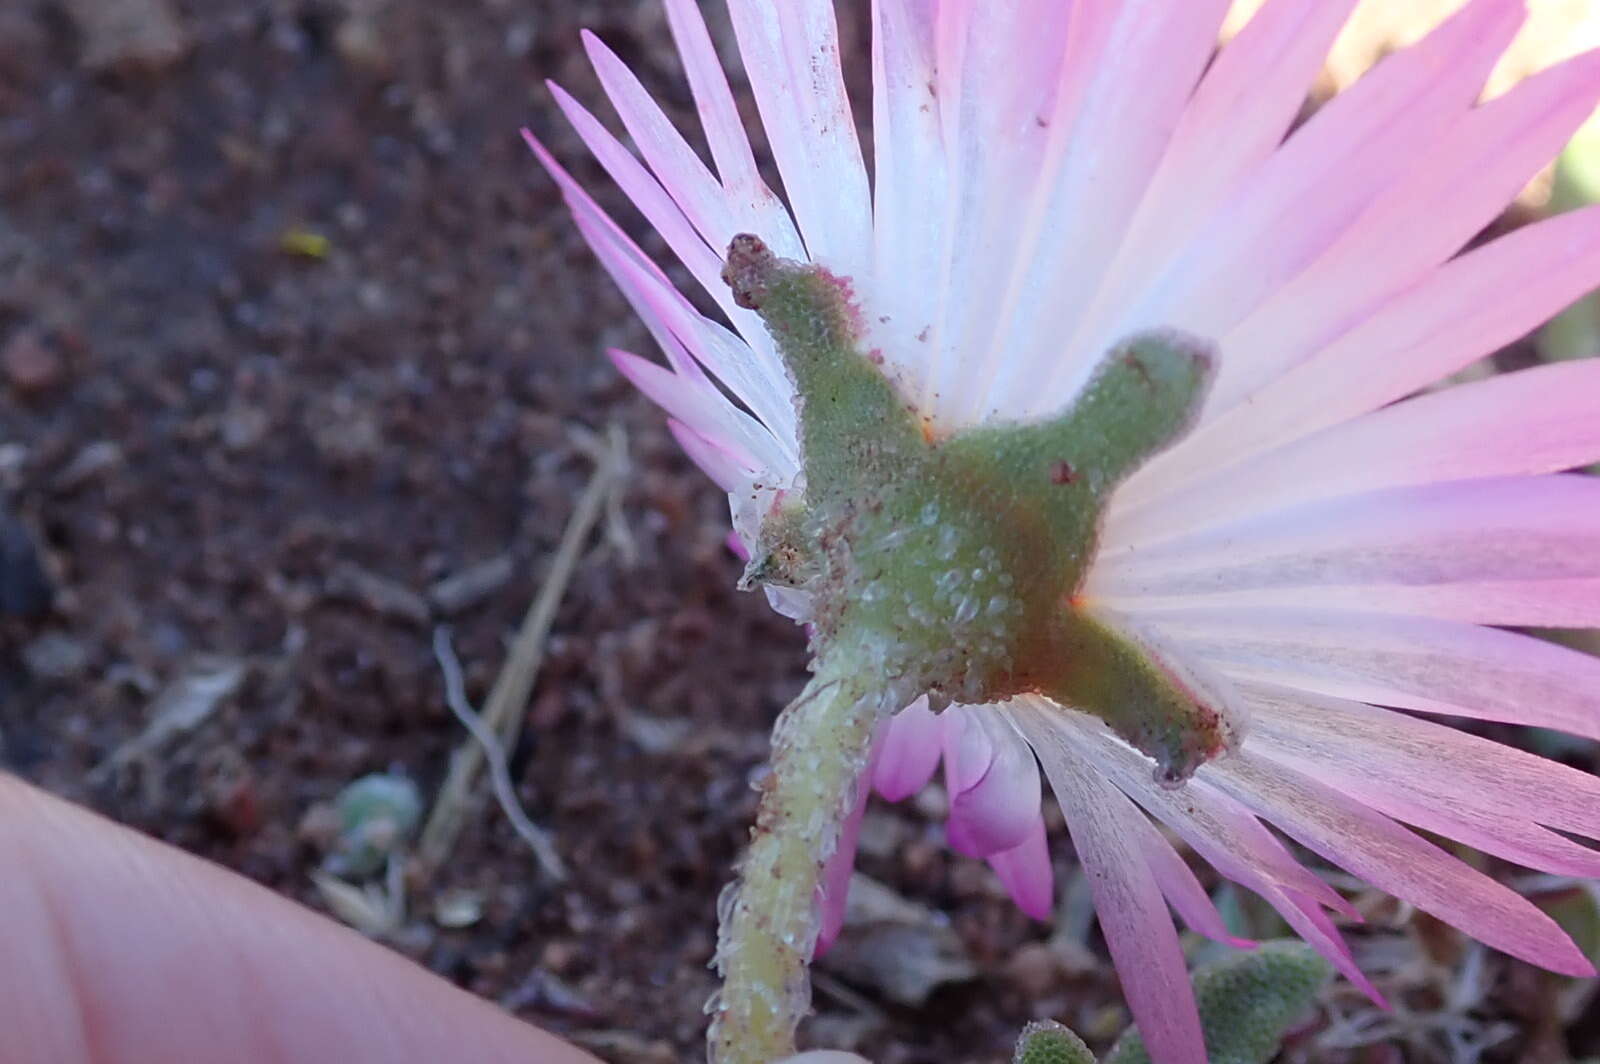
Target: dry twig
<point x="503" y="714"/>
<point x="495" y="755"/>
<point x="600" y="449"/>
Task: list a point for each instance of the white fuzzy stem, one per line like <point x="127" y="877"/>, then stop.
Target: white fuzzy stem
<point x="770" y="917"/>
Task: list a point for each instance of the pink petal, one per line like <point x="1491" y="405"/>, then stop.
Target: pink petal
<point x="997" y="71"/>
<point x="1411" y="794"/>
<point x="1524" y="603"/>
<point x="717" y="214"/>
<point x="716" y="461"/>
<point x="1130" y="72"/>
<point x="1437" y="765"/>
<point x="1220" y="830"/>
<point x="1309" y="193"/>
<point x="1466" y="309"/>
<point x="791" y="56"/>
<point x="835" y="888"/>
<point x="910" y="752"/>
<point x="771" y="441"/>
<point x="1133" y="913"/>
<point x="719" y="114"/>
<point x="1312" y="924"/>
<point x="1216" y="827"/>
<point x="674" y="163"/>
<point x="1251" y="94"/>
<point x="751" y="369"/>
<point x="704" y="410"/>
<point x="968" y="748"/>
<point x="1396" y="861"/>
<point x="993" y="782"/>
<point x="681" y="332"/>
<point x="623" y="260"/>
<point x="1244" y="105"/>
<point x="1469" y="176"/>
<point x="1025" y="872"/>
<point x="1537" y="421"/>
<point x="1464" y="531"/>
<point x="1406" y="662"/>
<point x="1562" y="603"/>
<point x="1183" y="891"/>
<point x="910" y="184"/>
<point x="646" y="193"/>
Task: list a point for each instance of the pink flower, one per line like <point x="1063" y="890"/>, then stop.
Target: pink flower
<point x="1051" y="176"/>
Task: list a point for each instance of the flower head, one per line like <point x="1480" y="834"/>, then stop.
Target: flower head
<point x="1054" y="179"/>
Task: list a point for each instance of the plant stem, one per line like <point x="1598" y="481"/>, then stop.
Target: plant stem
<point x="769" y="919"/>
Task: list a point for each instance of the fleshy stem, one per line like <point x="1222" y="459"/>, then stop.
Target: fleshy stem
<point x="948" y="566"/>
<point x="769" y="919"/>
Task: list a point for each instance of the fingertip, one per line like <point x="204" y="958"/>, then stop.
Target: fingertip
<point x="121" y="948"/>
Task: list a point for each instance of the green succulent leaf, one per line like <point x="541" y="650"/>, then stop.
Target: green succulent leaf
<point x="1247" y="1002"/>
<point x="377" y="815"/>
<point x="1048" y="1042"/>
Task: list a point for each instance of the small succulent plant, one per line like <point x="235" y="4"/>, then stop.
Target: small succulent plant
<point x="1247" y="1001"/>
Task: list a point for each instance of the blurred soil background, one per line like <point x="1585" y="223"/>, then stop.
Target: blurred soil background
<point x="300" y="361"/>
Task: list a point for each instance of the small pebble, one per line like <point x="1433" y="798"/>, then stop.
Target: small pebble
<point x="31" y="366"/>
<point x="55" y="656"/>
<point x="380" y="594"/>
<point x="1034" y="969"/>
<point x="465" y="589"/>
<point x="94" y="460"/>
<point x="127" y="36"/>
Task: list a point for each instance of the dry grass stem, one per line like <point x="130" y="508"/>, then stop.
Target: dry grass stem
<point x="503" y="714"/>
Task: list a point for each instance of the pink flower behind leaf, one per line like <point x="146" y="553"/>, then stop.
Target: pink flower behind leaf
<point x="1054" y="175"/>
